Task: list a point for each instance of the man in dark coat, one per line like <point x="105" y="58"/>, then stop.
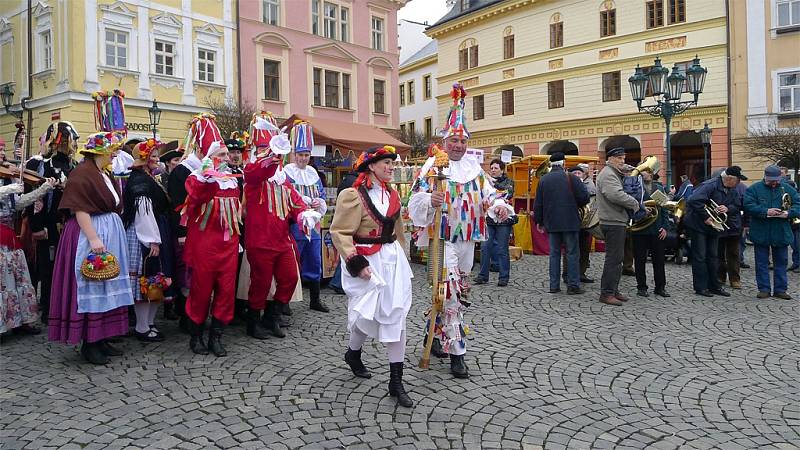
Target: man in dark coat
<point x="729" y="244"/>
<point x="705" y="239"/>
<point x="559" y="196"/>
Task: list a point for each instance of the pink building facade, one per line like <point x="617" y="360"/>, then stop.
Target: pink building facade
<point x="332" y="59"/>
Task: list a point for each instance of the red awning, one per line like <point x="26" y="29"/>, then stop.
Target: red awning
<point x="348" y="136"/>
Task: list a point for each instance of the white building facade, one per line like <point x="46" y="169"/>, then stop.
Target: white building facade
<point x="418" y="90"/>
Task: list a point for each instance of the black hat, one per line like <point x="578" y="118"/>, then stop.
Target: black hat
<point x="234" y="144"/>
<point x="616" y="151"/>
<point x="374" y="154"/>
<point x="170" y="151"/>
<point x="557" y="156"/>
<point x="735" y="171"/>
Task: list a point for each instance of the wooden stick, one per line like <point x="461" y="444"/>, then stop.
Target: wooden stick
<point x="436" y="277"/>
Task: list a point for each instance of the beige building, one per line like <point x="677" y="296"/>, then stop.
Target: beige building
<point x="765" y="70"/>
<point x="547" y="76"/>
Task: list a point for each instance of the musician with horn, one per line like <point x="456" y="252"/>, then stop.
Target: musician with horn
<point x="713" y="208"/>
<point x="649" y="236"/>
<point x="772" y="205"/>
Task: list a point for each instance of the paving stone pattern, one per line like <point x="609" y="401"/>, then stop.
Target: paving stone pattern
<point x="548" y="371"/>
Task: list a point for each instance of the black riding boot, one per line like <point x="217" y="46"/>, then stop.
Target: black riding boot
<point x="353" y="359"/>
<point x="271" y="319"/>
<point x="92" y="352"/>
<point x="316" y="303"/>
<point x="254" y="327"/>
<point x="286" y="310"/>
<point x="215" y="338"/>
<point x="457" y="366"/>
<point x="196" y="342"/>
<point x="396" y="388"/>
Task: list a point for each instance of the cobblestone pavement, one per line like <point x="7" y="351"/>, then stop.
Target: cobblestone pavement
<point x="551" y="371"/>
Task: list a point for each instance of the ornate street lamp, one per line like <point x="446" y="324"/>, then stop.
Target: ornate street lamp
<point x="7" y="95"/>
<point x="666" y="89"/>
<point x="705" y="136"/>
<point x="155" y="116"/>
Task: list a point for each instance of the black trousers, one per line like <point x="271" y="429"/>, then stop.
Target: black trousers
<point x="642" y="245"/>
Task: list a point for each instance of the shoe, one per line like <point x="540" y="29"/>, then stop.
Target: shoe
<point x="284" y="321"/>
<point x="159" y="335"/>
<point x="353" y="359"/>
<point x="744" y="265"/>
<point x="629" y="273"/>
<point x="169" y="311"/>
<point x="704" y="293"/>
<point x="254" y="327"/>
<point x="148" y="336"/>
<point x="337" y="289"/>
<point x="286" y="310"/>
<point x="196" y="341"/>
<point x="457" y="366"/>
<point x="585" y="279"/>
<point x="480" y="281"/>
<point x="555" y="291"/>
<point x="661" y="293"/>
<point x="721" y="292"/>
<point x="575" y="291"/>
<point x="502" y="283"/>
<point x="736" y="284"/>
<point x="184" y="324"/>
<point x="91" y="352"/>
<point x="782" y="295"/>
<point x="108" y="349"/>
<point x="215" y="338"/>
<point x="396" y="388"/>
<point x="437" y="350"/>
<point x="642" y="293"/>
<point x="610" y="300"/>
<point x="271" y="319"/>
<point x="763" y="295"/>
<point x="621" y="297"/>
<point x="316" y="303"/>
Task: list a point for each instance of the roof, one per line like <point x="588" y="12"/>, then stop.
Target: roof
<point x="430" y="49"/>
<point x="348" y="136"/>
<point x="456" y="11"/>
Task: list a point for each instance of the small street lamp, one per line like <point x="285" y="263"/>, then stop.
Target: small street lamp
<point x="705" y="136"/>
<point x="7" y="95"/>
<point x="155" y="117"/>
<point x="666" y="89"/>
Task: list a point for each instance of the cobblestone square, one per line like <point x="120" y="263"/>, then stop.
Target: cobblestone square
<point x="548" y="371"/>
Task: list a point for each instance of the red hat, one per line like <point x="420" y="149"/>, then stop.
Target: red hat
<point x="204" y="136"/>
<point x="263" y="128"/>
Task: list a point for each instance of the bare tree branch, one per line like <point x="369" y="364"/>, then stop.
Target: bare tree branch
<point x="419" y="144"/>
<point x="230" y="117"/>
<point x="774" y="145"/>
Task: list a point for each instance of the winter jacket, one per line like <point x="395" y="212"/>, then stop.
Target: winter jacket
<point x="612" y="202"/>
<point x="662" y="220"/>
<point x="713" y="189"/>
<point x="559" y="195"/>
<point x="770" y="231"/>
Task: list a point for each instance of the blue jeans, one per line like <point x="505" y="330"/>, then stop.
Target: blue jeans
<point x="704" y="261"/>
<point x="568" y="239"/>
<point x="336" y="281"/>
<point x="796" y="248"/>
<point x="780" y="257"/>
<point x="495" y="247"/>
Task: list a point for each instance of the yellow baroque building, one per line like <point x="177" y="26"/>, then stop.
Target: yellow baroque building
<point x="545" y="76"/>
<point x="178" y="52"/>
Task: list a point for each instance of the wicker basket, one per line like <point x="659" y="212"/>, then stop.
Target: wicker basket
<point x="108" y="271"/>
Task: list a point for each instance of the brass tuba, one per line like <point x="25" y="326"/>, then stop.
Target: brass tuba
<point x="648" y="164"/>
<point x="786" y="205"/>
<point x="543" y="169"/>
<point x="718" y="220"/>
<point x="678" y="209"/>
<point x="649" y="219"/>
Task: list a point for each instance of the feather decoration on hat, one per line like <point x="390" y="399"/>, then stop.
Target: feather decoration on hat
<point x="456" y="123"/>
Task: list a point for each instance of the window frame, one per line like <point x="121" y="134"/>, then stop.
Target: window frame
<point x="676" y="8"/>
<point x="377" y="34"/>
<point x="790" y="25"/>
<point x="612" y="86"/>
<point x="332" y="97"/>
<point x="344" y="24"/>
<point x="508" y="46"/>
<point x="478" y="104"/>
<point x="316" y="75"/>
<point x="427" y="87"/>
<point x="555" y="94"/>
<point x="346" y="88"/>
<point x="507" y="102"/>
<point x="164" y="54"/>
<point x="428" y="128"/>
<point x="206" y="61"/>
<point x="557" y="34"/>
<point x="608" y="23"/>
<point x="402" y="129"/>
<point x="403" y="94"/>
<point x="332" y="21"/>
<point x="412" y="93"/>
<point x="267" y="8"/>
<point x="315" y="15"/>
<point x="473" y="56"/>
<point x="652" y="9"/>
<point x="116" y="45"/>
<point x="412" y="128"/>
<point x="277" y="80"/>
<point x="463" y="59"/>
<point x="375" y="83"/>
<point x="794" y="91"/>
<point x="45" y="50"/>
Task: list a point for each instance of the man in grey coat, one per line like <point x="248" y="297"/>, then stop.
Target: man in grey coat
<point x="613" y="205"/>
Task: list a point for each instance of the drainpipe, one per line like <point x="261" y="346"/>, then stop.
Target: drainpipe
<point x="238" y="57"/>
<point x="22" y="101"/>
<point x="728" y="62"/>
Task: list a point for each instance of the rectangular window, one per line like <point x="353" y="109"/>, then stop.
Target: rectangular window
<point x="403" y="129"/>
<point x="206" y="65"/>
<point x="165" y="58"/>
<point x="557" y="35"/>
<point x="331" y="89"/>
<point x="463" y="59"/>
<point x="477" y="107"/>
<point x="317" y="87"/>
<point x="427" y="87"/>
<point x="464" y="5"/>
<point x="346" y="90"/>
<point x="473" y="56"/>
<point x="412" y="95"/>
<point x="403" y="94"/>
<point x="315" y="17"/>
<point x="377" y="33"/>
<point x="555" y="94"/>
<point x="378" y="87"/>
<point x="677" y="11"/>
<point x="331" y="13"/>
<point x="47" y="50"/>
<point x="508" y="102"/>
<point x="788" y="13"/>
<point x="272" y="80"/>
<point x="412" y="128"/>
<point x="611" y="86"/>
<point x="117" y="49"/>
<point x="655" y="13"/>
<point x="608" y="23"/>
<point x="344" y="24"/>
<point x="508" y="47"/>
<point x="271" y="12"/>
<point x="789" y="85"/>
<point x="428" y="128"/>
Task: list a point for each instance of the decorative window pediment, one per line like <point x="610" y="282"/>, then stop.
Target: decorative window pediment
<point x="209" y="29"/>
<point x="117" y="13"/>
<point x="208" y="35"/>
<point x="332" y="51"/>
<point x="6" y="31"/>
<point x="273" y="39"/>
<point x="471" y="42"/>
<point x="378" y="61"/>
<point x="41" y="9"/>
<point x="166" y="25"/>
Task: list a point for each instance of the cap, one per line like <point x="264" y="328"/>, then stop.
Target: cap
<point x="171" y="150"/>
<point x="735" y="171"/>
<point x="557" y="156"/>
<point x="772" y="173"/>
<point x="576" y="169"/>
<point x="616" y="151"/>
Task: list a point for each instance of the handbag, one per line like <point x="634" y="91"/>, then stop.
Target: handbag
<point x="100" y="267"/>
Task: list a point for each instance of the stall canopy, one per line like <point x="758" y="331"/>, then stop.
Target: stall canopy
<point x="348" y="136"/>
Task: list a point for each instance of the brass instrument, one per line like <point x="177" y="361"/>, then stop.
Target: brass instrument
<point x="786" y="205"/>
<point x="636" y="190"/>
<point x="678" y="209"/>
<point x="648" y="164"/>
<point x="649" y="219"/>
<point x="718" y="220"/>
<point x="543" y="169"/>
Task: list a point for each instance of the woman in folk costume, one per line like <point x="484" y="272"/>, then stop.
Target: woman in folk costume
<point x="367" y="230"/>
<point x="305" y="179"/>
<point x="19" y="310"/>
<point x="150" y="240"/>
<point x="85" y="309"/>
<point x="211" y="215"/>
<point x="271" y="203"/>
<point x="468" y="197"/>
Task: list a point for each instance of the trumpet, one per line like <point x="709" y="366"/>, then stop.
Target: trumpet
<point x="786" y="205"/>
<point x="718" y="220"/>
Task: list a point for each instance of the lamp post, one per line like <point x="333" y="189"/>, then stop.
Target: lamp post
<point x="705" y="136"/>
<point x="155" y="116"/>
<point x="7" y="95"/>
<point x="666" y="89"/>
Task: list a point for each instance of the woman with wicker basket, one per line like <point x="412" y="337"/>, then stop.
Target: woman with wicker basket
<point x="91" y="289"/>
<point x="150" y="243"/>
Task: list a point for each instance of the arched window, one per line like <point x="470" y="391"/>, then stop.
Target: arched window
<point x="608" y="19"/>
<point x="468" y="54"/>
<point x="508" y="43"/>
<point x="556" y="31"/>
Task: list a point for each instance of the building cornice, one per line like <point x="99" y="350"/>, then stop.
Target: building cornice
<point x="426" y="61"/>
<point x="456" y="23"/>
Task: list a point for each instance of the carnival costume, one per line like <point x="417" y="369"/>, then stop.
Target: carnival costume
<point x="306" y="181"/>
<point x="464" y="211"/>
<point x="271" y="203"/>
<point x="367" y="230"/>
<point x="87" y="309"/>
<point x="237" y="143"/>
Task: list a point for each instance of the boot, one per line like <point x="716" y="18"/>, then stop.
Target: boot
<point x="169" y="311"/>
<point x="254" y="327"/>
<point x="240" y="312"/>
<point x="457" y="366"/>
<point x="316" y="303"/>
<point x="215" y="338"/>
<point x="396" y="388"/>
<point x="286" y="310"/>
<point x="353" y="359"/>
<point x="108" y="349"/>
<point x="196" y="342"/>
<point x="92" y="353"/>
<point x="271" y="319"/>
<point x="183" y="319"/>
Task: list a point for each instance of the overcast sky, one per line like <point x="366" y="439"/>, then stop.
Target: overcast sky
<point x="422" y="10"/>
